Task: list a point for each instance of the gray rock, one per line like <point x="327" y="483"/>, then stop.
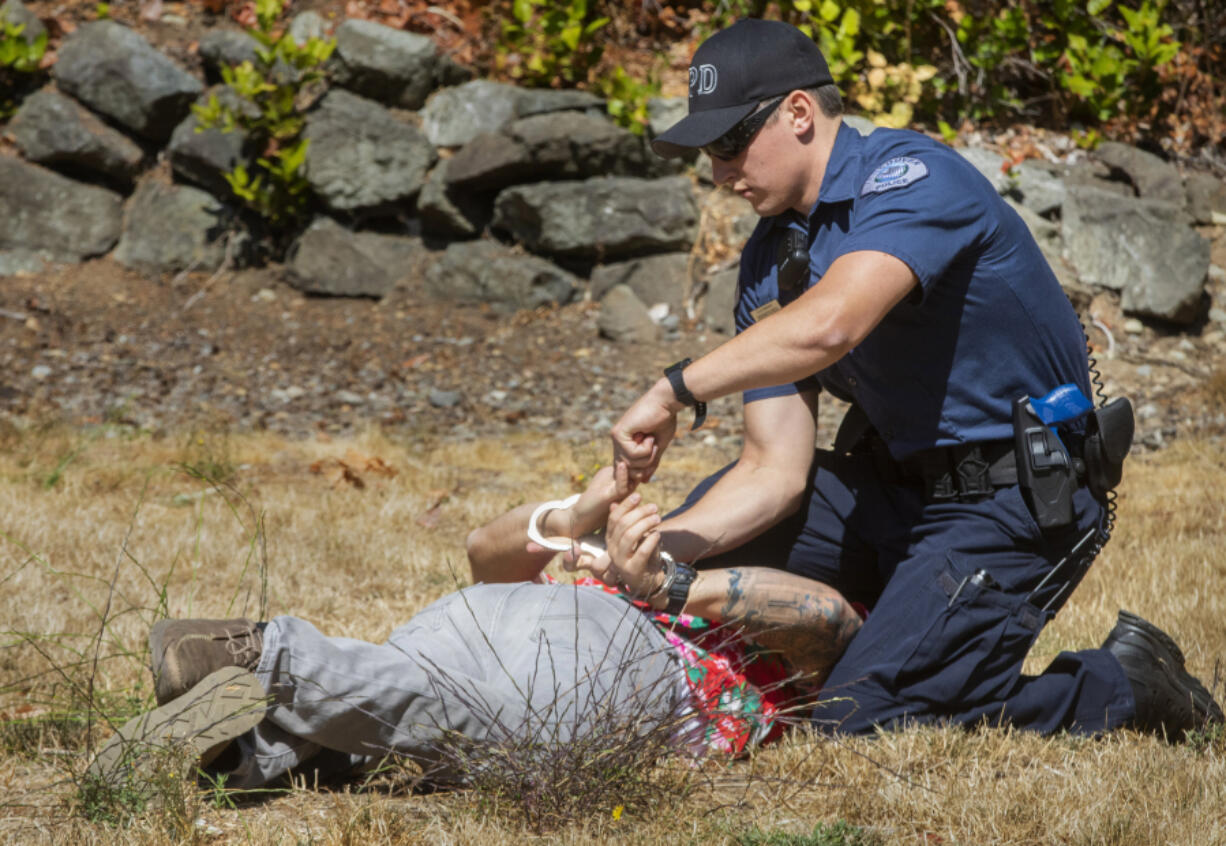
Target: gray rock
<point x="51" y="129"/>
<point x="551" y="146"/>
<point x="41" y="210"/>
<point x="1206" y="198"/>
<point x="449" y="212"/>
<point x="1095" y="174"/>
<point x="21" y="262"/>
<point x="860" y="124"/>
<point x="174" y="227"/>
<point x="1143" y="248"/>
<point x="720" y="300"/>
<point x="600" y="218"/>
<point x="1039" y="186"/>
<point x="664" y="112"/>
<point x="988" y="163"/>
<point x="330" y="259"/>
<point x="488" y="272"/>
<point x="224" y="47"/>
<point x="654" y="279"/>
<point x="362" y="158"/>
<point x="307" y="25"/>
<point x="1153" y="177"/>
<point x="623" y="317"/>
<point x="202" y="156"/>
<point x="443" y="399"/>
<point x="116" y="72"/>
<point x="539" y="101"/>
<point x="18" y="15"/>
<point x="389" y="65"/>
<point x="455" y="116"/>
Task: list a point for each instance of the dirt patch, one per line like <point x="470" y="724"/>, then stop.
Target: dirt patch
<point x="95" y="342"/>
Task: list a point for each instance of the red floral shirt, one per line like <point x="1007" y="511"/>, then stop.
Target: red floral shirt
<point x="738" y="689"/>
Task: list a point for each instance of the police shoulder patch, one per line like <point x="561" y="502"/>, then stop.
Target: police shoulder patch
<point x="898" y="172"/>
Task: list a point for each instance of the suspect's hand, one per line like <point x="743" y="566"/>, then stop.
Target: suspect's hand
<point x="633" y="545"/>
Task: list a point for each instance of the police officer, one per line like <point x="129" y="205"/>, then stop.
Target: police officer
<point x="888" y="272"/>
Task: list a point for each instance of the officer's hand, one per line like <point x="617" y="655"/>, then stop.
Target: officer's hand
<point x="645" y="431"/>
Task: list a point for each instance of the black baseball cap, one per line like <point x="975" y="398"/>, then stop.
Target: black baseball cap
<point x="733" y="71"/>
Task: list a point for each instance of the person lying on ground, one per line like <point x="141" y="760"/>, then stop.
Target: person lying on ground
<point x="515" y="658"/>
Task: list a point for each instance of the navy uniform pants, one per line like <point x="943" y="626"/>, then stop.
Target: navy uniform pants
<point x="937" y="647"/>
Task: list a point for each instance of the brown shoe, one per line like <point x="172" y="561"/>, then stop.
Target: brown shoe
<point x="185" y="733"/>
<point x="185" y="651"/>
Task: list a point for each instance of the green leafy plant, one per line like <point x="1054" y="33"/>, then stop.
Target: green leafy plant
<point x="905" y="60"/>
<point x="269" y="93"/>
<point x="626" y="98"/>
<point x="549" y="41"/>
<point x="20" y="59"/>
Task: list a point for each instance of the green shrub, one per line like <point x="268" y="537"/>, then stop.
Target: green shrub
<point x="546" y="41"/>
<point x="19" y="63"/>
<point x="901" y="60"/>
<point x="626" y="98"/>
<point x="270" y="91"/>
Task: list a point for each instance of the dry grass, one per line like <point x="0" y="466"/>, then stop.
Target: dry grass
<point x="103" y="533"/>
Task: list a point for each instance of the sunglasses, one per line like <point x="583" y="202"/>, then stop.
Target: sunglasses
<point x="733" y="142"/>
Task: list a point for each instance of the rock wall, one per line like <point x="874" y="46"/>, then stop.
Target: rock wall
<point x="480" y="191"/>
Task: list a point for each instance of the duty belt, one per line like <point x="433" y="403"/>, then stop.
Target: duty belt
<point x="964" y="472"/>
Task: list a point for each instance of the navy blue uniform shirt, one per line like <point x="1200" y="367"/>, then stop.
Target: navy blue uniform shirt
<point x="987" y="323"/>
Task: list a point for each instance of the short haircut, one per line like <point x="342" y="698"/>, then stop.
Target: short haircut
<point x="828" y="99"/>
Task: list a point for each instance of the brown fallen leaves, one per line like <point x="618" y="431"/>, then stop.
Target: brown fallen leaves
<point x="352" y="469"/>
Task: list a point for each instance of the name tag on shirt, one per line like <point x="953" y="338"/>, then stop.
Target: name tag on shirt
<point x="765" y="310"/>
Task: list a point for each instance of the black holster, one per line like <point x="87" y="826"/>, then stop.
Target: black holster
<point x="1109" y="432"/>
<point x="1045" y="469"/>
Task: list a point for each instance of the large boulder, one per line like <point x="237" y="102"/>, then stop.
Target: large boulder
<point x="600" y="218"/>
<point x="1145" y="249"/>
<point x="653" y="279"/>
<point x="51" y="129"/>
<point x="1153" y="178"/>
<point x="389" y="65"/>
<point x="175" y="227"/>
<point x="361" y="157"/>
<point x="551" y="146"/>
<point x="455" y="116"/>
<point x="65" y="220"/>
<point x="204" y="156"/>
<point x="489" y="272"/>
<point x="624" y="318"/>
<point x="330" y="259"/>
<point x="116" y="72"/>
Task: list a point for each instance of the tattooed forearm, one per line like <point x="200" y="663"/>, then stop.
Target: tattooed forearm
<point x="735" y="595"/>
<point x="808" y="623"/>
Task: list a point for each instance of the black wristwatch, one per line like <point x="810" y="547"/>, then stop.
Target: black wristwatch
<point x="679" y="590"/>
<point x="682" y="393"/>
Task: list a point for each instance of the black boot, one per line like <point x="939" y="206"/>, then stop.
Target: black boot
<point x="1170" y="701"/>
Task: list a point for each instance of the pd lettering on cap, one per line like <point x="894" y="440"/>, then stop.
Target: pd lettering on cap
<point x="703" y="79"/>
